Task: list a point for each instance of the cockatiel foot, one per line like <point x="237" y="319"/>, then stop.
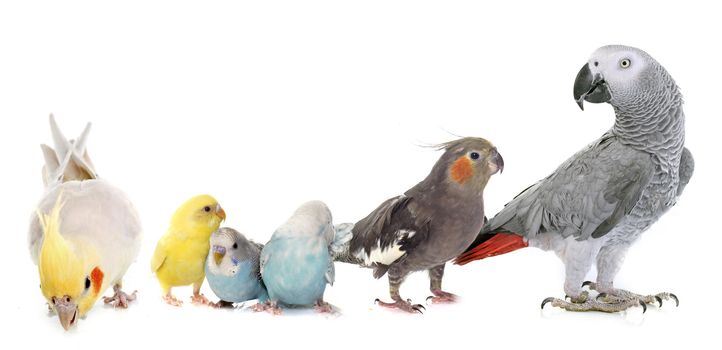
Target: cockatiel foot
<point x="271" y="308"/>
<point x="120" y="299"/>
<point x="171" y="300"/>
<point x="200" y="299"/>
<point x="402" y="305"/>
<point x="593" y="305"/>
<point x="613" y="296"/>
<point x="441" y="297"/>
<point x="221" y="304"/>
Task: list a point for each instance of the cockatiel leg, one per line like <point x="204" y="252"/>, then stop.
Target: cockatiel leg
<point x="120" y="299"/>
<point x="436" y="274"/>
<point x="395" y="280"/>
<point x="197" y="297"/>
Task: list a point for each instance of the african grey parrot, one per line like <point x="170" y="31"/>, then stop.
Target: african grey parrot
<point x="430" y="224"/>
<point x="598" y="202"/>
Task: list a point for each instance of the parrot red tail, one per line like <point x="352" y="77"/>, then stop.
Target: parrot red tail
<point x="495" y="244"/>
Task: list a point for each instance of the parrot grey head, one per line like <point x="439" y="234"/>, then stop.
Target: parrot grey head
<point x="626" y="77"/>
<point x="467" y="163"/>
<point x="312" y="218"/>
<point x="229" y="248"/>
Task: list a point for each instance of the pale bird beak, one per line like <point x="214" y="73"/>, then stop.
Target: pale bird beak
<point x="221" y="213"/>
<point x="67" y="312"/>
<point x="218" y="254"/>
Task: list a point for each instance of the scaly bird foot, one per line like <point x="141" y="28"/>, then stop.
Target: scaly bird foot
<point x="441" y="297"/>
<point x="269" y="307"/>
<point x="402" y="305"/>
<point x="221" y="304"/>
<point x="171" y="300"/>
<point x="592" y="305"/>
<point x="200" y="299"/>
<point x="324" y="308"/>
<point x="613" y="295"/>
<point x="120" y="299"/>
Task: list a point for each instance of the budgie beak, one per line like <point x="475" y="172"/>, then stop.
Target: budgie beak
<point x="67" y="311"/>
<point x="221" y="213"/>
<point x="218" y="254"/>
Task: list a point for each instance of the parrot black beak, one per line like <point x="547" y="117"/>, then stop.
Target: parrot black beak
<point x="218" y="253"/>
<point x="497" y="160"/>
<point x="590" y="88"/>
<point x="67" y="311"/>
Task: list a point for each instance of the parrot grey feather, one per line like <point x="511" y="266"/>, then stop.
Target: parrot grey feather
<point x="686" y="169"/>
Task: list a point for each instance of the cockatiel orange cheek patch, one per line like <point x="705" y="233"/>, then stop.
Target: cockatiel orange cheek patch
<point x="461" y="170"/>
<point x="96" y="276"/>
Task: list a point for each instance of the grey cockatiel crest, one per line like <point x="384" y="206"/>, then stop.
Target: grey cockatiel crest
<point x="429" y="224"/>
<point x="606" y="195"/>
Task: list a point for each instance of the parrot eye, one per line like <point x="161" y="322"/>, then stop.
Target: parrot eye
<point x="207" y="209"/>
<point x="87" y="282"/>
<point x="625" y="63"/>
<point x="67" y="299"/>
<point x="235" y="245"/>
<point x="474" y="155"/>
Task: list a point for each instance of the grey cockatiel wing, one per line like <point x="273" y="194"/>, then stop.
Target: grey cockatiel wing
<point x="585" y="197"/>
<point x="396" y="227"/>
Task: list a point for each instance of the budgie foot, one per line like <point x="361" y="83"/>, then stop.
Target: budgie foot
<point x="613" y="295"/>
<point x="404" y="305"/>
<point x="221" y="304"/>
<point x="171" y="300"/>
<point x="324" y="307"/>
<point x="200" y="299"/>
<point x="269" y="307"/>
<point x="120" y="299"/>
<point x="441" y="297"/>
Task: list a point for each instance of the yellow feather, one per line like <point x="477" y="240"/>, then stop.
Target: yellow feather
<point x="180" y="254"/>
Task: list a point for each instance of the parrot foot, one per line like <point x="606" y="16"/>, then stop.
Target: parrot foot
<point x="323" y="307"/>
<point x="404" y="305"/>
<point x="441" y="297"/>
<point x="613" y="295"/>
<point x="200" y="299"/>
<point x="268" y="306"/>
<point x="584" y="303"/>
<point x="171" y="300"/>
<point x="221" y="304"/>
<point x="120" y="299"/>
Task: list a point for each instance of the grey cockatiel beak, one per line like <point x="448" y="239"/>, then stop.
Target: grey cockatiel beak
<point x="590" y="87"/>
<point x="67" y="311"/>
<point x="498" y="160"/>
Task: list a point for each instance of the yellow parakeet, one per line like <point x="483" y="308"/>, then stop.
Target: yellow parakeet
<point x="181" y="253"/>
<point x="84" y="234"/>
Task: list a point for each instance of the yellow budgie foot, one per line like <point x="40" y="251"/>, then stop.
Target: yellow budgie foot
<point x="120" y="299"/>
<point x="171" y="300"/>
<point x="200" y="299"/>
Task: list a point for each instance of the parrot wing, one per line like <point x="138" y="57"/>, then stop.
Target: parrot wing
<point x="159" y="255"/>
<point x="389" y="232"/>
<point x="585" y="197"/>
<point x="330" y="273"/>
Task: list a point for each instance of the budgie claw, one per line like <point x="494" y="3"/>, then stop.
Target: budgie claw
<point x="267" y="306"/>
<point x="200" y="299"/>
<point x="171" y="300"/>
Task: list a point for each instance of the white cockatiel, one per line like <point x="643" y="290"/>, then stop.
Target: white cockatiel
<point x="84" y="234"/>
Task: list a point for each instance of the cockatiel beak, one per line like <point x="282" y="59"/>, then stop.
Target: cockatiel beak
<point x="221" y="213"/>
<point x="67" y="311"/>
<point x="590" y="87"/>
<point x="497" y="161"/>
<point x="218" y="253"/>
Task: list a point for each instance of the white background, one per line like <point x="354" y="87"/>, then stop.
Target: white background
<point x="268" y="104"/>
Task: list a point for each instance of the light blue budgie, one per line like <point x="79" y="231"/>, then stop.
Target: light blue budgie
<point x="232" y="268"/>
<point x="296" y="264"/>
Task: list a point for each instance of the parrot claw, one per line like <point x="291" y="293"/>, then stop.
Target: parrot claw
<point x="171" y="300"/>
<point x="676" y="300"/>
<point x="587" y="283"/>
<point x="643" y="305"/>
<point x="271" y="308"/>
<point x="404" y="305"/>
<point x="441" y="297"/>
<point x="545" y="301"/>
<point x="200" y="299"/>
<point x="659" y="301"/>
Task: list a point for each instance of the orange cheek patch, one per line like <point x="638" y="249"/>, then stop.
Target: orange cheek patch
<point x="461" y="170"/>
<point x="96" y="276"/>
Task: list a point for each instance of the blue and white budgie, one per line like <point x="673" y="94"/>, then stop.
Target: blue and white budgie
<point x="296" y="263"/>
<point x="598" y="202"/>
<point x="233" y="269"/>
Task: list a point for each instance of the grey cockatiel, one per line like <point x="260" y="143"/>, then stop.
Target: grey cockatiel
<point x="430" y="224"/>
<point x="598" y="202"/>
<point x="84" y="234"/>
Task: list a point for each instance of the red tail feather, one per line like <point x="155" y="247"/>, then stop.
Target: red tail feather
<point x="500" y="243"/>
